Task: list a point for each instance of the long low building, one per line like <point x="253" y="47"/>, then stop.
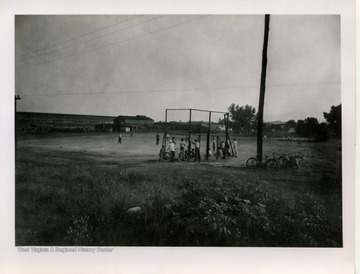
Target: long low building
<point x="46" y="122"/>
<point x="133" y="123"/>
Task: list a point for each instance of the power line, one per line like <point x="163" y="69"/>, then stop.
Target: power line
<point x="111" y="44"/>
<point x="129" y="91"/>
<point x="91" y="39"/>
<point x="304" y="84"/>
<point x="118" y="42"/>
<point x="74" y="38"/>
<point x="177" y="90"/>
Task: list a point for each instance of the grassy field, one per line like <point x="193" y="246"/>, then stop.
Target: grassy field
<point x="77" y="190"/>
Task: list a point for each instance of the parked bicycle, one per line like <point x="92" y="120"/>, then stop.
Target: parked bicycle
<point x="166" y="157"/>
<point x="282" y="160"/>
<point x="192" y="153"/>
<point x="267" y="162"/>
<point x="293" y="161"/>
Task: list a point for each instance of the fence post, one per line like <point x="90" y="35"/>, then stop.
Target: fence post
<point x="189" y="144"/>
<point x="208" y="139"/>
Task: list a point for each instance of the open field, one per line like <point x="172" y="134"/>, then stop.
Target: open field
<point x="77" y="189"/>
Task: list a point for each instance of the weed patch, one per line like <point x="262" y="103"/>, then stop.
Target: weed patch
<point x="179" y="205"/>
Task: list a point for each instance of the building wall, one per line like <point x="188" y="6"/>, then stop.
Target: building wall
<point x="34" y="121"/>
<point x="43" y="122"/>
<point x="135" y="123"/>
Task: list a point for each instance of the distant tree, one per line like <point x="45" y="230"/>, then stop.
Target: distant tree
<point x="311" y="128"/>
<point x="300" y="127"/>
<point x="290" y="124"/>
<point x="322" y="133"/>
<point x="221" y="122"/>
<point x="241" y="117"/>
<point x="333" y="119"/>
<point x="253" y="122"/>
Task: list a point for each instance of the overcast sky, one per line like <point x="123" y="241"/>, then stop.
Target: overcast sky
<point x="129" y="65"/>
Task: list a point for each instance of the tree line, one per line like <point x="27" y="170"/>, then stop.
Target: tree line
<point x="244" y="119"/>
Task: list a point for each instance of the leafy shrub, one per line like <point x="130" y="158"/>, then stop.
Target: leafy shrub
<point x="90" y="208"/>
<point x="219" y="213"/>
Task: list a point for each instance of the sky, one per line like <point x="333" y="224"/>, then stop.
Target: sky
<point x="143" y="64"/>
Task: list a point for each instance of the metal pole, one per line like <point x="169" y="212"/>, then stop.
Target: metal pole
<point x="189" y="145"/>
<point x="208" y="139"/>
<point x="17" y="97"/>
<point x="226" y="134"/>
<point x="165" y="131"/>
<point x="199" y="140"/>
<point x="262" y="90"/>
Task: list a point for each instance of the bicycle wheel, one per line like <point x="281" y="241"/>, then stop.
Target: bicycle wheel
<point x="165" y="156"/>
<point x="295" y="166"/>
<point x="271" y="164"/>
<point x="182" y="156"/>
<point x="292" y="164"/>
<point x="282" y="161"/>
<point x="251" y="162"/>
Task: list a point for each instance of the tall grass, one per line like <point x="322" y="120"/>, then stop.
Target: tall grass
<point x="83" y="205"/>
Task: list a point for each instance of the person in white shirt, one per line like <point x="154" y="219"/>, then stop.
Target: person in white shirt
<point x="235" y="147"/>
<point x="172" y="150"/>
<point x="182" y="145"/>
<point x="222" y="148"/>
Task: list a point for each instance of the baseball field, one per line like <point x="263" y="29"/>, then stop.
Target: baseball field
<point x="90" y="190"/>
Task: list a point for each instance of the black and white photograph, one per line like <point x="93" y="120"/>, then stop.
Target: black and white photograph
<point x="198" y="130"/>
<point x="178" y="130"/>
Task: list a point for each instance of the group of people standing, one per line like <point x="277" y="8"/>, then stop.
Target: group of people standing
<point x="172" y="144"/>
<point x="219" y="149"/>
<point x="224" y="151"/>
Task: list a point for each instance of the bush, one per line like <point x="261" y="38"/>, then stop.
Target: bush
<point x="89" y="206"/>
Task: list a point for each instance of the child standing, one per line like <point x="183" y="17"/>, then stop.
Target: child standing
<point x="182" y="145"/>
<point x="157" y="139"/>
<point x="197" y="150"/>
<point x="172" y="150"/>
<point x="235" y="148"/>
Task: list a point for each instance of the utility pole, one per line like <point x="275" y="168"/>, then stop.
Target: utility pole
<point x="17" y="97"/>
<point x="208" y="138"/>
<point x="262" y="90"/>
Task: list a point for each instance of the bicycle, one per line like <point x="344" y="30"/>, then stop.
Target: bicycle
<point x="269" y="163"/>
<point x="166" y="156"/>
<point x="192" y="153"/>
<point x="282" y="160"/>
<point x="293" y="161"/>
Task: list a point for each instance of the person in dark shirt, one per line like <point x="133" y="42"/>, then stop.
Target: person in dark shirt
<point x="157" y="139"/>
<point x="197" y="150"/>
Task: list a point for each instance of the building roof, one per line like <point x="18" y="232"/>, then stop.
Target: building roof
<point x="27" y="113"/>
<point x="47" y="114"/>
<point x="137" y="117"/>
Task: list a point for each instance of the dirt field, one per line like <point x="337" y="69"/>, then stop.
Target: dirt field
<point x="49" y="167"/>
<point x="321" y="159"/>
<point x="141" y="147"/>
